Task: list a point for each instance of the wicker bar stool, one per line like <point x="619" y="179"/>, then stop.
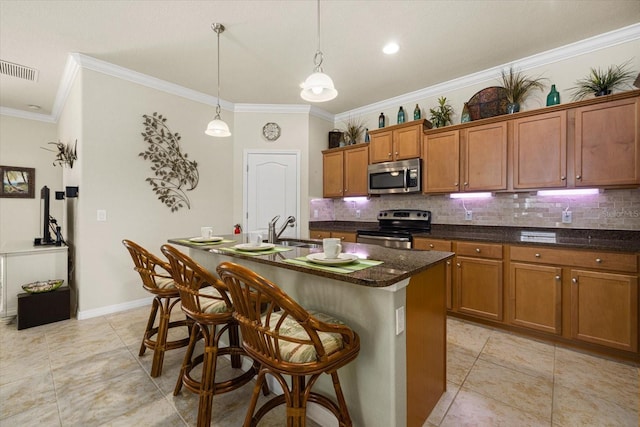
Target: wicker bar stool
<point x="156" y="278"/>
<point x="205" y="300"/>
<point x="288" y="340"/>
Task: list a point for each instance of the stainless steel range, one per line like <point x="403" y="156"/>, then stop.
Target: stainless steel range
<point x="396" y="228"/>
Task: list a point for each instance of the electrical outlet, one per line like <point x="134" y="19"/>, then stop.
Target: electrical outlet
<point x="399" y="320"/>
<point x="101" y="215"/>
<point x="566" y="217"/>
<point x="315" y="213"/>
<point x="468" y="215"/>
<point x="357" y="213"/>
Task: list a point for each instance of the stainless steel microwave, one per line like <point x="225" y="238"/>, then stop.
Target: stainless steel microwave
<point x="395" y="177"/>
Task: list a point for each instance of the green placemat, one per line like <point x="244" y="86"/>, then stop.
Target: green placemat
<point x="256" y="253"/>
<point x="347" y="268"/>
<point x="189" y="242"/>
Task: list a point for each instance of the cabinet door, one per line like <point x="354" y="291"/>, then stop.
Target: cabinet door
<point x="485" y="157"/>
<point x="612" y="324"/>
<point x="332" y="174"/>
<point x="345" y="236"/>
<point x="319" y="234"/>
<point x="407" y="142"/>
<point x="421" y="243"/>
<point x="535" y="297"/>
<point x="441" y="162"/>
<point x="479" y="287"/>
<point x="540" y="151"/>
<point x="381" y="147"/>
<point x="607" y="150"/>
<point x="355" y="171"/>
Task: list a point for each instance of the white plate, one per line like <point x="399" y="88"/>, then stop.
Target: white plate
<point x="251" y="247"/>
<point x="205" y="239"/>
<point x="320" y="258"/>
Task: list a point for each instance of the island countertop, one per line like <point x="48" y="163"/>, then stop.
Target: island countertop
<point x="396" y="266"/>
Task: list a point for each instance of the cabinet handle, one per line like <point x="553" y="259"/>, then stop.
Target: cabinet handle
<point x="458" y="264"/>
<point x="341" y="237"/>
<point x="537" y="255"/>
<point x="563" y="178"/>
<point x="578" y="176"/>
<point x="574" y="280"/>
<point x="557" y="277"/>
<point x="465" y="184"/>
<point x="448" y="262"/>
<point x="598" y="260"/>
<point x="389" y="155"/>
<point x="396" y="154"/>
<point x="455" y="184"/>
<point x="477" y="250"/>
<point x="431" y="245"/>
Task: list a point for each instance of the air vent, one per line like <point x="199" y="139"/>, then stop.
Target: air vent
<point x="20" y="71"/>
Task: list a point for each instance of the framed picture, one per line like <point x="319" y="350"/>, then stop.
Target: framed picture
<point x="17" y="182"/>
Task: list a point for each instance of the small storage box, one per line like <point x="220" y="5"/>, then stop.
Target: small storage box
<point x="42" y="308"/>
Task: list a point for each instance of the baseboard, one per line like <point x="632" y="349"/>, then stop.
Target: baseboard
<point x="116" y="308"/>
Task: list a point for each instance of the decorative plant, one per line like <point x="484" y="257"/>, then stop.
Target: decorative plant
<point x="518" y="86"/>
<point x="441" y="116"/>
<point x="66" y="155"/>
<point x="354" y="128"/>
<point x="602" y="82"/>
<point x="174" y="174"/>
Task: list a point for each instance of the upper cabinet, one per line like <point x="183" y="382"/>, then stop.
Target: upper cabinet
<point x="399" y="142"/>
<point x="344" y="171"/>
<point x="594" y="143"/>
<point x="607" y="150"/>
<point x="540" y="151"/>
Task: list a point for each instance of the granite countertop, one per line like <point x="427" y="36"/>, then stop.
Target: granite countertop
<point x="610" y="240"/>
<point x="397" y="264"/>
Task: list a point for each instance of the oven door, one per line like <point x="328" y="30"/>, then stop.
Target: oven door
<point x="386" y="241"/>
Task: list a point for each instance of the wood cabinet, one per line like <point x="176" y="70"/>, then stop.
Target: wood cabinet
<point x="540" y="151"/>
<point x="399" y="142"/>
<point x="479" y="281"/>
<point x="344" y="171"/>
<point x="604" y="309"/>
<point x="607" y="144"/>
<point x="441" y="161"/>
<point x="345" y="236"/>
<point x="426" y="244"/>
<point x="484" y="159"/>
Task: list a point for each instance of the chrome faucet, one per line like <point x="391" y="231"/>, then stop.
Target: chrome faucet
<point x="273" y="236"/>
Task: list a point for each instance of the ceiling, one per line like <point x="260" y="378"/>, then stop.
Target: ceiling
<point x="268" y="47"/>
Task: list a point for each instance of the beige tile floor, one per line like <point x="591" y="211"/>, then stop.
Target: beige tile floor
<point x="88" y="373"/>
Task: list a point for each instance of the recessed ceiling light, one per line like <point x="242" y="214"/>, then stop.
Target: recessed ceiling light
<point x="34" y="107"/>
<point x="391" y="48"/>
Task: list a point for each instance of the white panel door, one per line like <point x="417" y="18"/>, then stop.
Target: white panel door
<point x="272" y="188"/>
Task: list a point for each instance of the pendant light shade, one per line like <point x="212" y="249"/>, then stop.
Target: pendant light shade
<point x="318" y="87"/>
<point x="217" y="127"/>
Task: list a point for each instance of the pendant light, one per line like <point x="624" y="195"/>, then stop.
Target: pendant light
<point x="318" y="87"/>
<point x="217" y="127"/>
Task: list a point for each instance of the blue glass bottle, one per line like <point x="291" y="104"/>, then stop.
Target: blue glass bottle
<point x="554" y="96"/>
<point x="381" y="120"/>
<point x="400" y="115"/>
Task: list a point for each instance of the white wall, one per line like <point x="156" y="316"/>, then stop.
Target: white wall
<point x="21" y="143"/>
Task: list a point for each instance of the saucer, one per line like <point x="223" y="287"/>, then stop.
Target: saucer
<point x="320" y="258"/>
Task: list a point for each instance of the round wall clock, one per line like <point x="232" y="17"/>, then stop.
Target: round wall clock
<point x="271" y="131"/>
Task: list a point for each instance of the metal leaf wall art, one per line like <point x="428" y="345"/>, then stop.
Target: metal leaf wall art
<point x="174" y="174"/>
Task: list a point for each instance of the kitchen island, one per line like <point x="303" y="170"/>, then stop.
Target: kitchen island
<point x="397" y="308"/>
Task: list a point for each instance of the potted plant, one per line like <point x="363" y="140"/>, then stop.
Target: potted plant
<point x="441" y="115"/>
<point x="518" y="86"/>
<point x="354" y="128"/>
<point x="602" y="82"/>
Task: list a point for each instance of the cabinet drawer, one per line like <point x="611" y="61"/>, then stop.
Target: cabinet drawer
<point x="587" y="259"/>
<point x="481" y="250"/>
<point x="432" y="244"/>
<point x="319" y="234"/>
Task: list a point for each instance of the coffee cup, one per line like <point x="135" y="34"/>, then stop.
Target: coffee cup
<point x="206" y="232"/>
<point x="332" y="247"/>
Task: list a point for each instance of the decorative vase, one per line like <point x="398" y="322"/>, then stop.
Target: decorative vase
<point x="465" y="116"/>
<point x="604" y="91"/>
<point x="417" y="113"/>
<point x="381" y="120"/>
<point x="400" y="115"/>
<point x="513" y="107"/>
<point x="554" y="96"/>
<point x="367" y="138"/>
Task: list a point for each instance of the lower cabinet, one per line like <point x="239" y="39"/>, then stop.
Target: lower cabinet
<point x="535" y="297"/>
<point x="604" y="309"/>
<point x="345" y="236"/>
<point x="479" y="282"/>
<point x="424" y="244"/>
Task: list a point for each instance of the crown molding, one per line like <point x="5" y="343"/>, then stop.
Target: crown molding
<point x="21" y="114"/>
<point x="582" y="47"/>
<point x="271" y="108"/>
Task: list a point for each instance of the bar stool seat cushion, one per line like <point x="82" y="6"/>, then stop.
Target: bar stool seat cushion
<point x="165" y="282"/>
<point x="211" y="305"/>
<point x="304" y="353"/>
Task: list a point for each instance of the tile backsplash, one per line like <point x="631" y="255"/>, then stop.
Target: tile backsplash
<point x="610" y="209"/>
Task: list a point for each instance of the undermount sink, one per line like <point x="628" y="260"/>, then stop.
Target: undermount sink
<point x="299" y="244"/>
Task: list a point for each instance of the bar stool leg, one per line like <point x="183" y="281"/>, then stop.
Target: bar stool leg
<point x="207" y="383"/>
<point x="161" y="339"/>
<point x="186" y="363"/>
<point x="150" y="322"/>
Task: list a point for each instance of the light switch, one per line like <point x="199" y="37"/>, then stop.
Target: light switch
<point x="102" y="215"/>
<point x="566" y="217"/>
<point x="399" y="320"/>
